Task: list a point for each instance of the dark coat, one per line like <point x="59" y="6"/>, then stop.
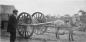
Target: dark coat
<point x="12" y="24"/>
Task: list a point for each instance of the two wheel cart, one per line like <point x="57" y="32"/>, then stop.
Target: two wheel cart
<point x="36" y="23"/>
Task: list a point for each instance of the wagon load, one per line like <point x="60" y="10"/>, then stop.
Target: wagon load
<point x="83" y="19"/>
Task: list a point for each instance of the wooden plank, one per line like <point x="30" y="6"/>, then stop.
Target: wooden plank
<point x="47" y="23"/>
<point x="44" y="24"/>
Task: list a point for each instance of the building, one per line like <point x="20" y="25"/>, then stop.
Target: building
<point x="5" y="11"/>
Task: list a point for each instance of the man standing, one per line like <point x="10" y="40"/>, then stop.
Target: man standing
<point x="12" y="24"/>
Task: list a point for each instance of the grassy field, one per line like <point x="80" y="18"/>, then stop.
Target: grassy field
<point x="48" y="37"/>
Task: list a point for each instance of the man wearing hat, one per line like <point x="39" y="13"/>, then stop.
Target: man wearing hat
<point x="12" y="24"/>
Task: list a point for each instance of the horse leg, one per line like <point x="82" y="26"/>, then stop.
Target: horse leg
<point x="71" y="36"/>
<point x="57" y="33"/>
<point x="57" y="36"/>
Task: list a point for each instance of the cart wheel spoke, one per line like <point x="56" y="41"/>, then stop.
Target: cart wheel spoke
<point x="38" y="17"/>
<point x="23" y="30"/>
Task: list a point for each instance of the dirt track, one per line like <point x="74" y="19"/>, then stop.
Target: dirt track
<point x="48" y="37"/>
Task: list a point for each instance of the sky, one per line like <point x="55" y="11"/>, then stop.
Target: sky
<point x="47" y="7"/>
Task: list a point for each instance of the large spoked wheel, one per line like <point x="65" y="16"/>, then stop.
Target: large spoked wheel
<point x="25" y="31"/>
<point x="38" y="17"/>
<point x="24" y="18"/>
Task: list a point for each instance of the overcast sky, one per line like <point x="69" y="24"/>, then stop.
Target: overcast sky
<point x="52" y="7"/>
